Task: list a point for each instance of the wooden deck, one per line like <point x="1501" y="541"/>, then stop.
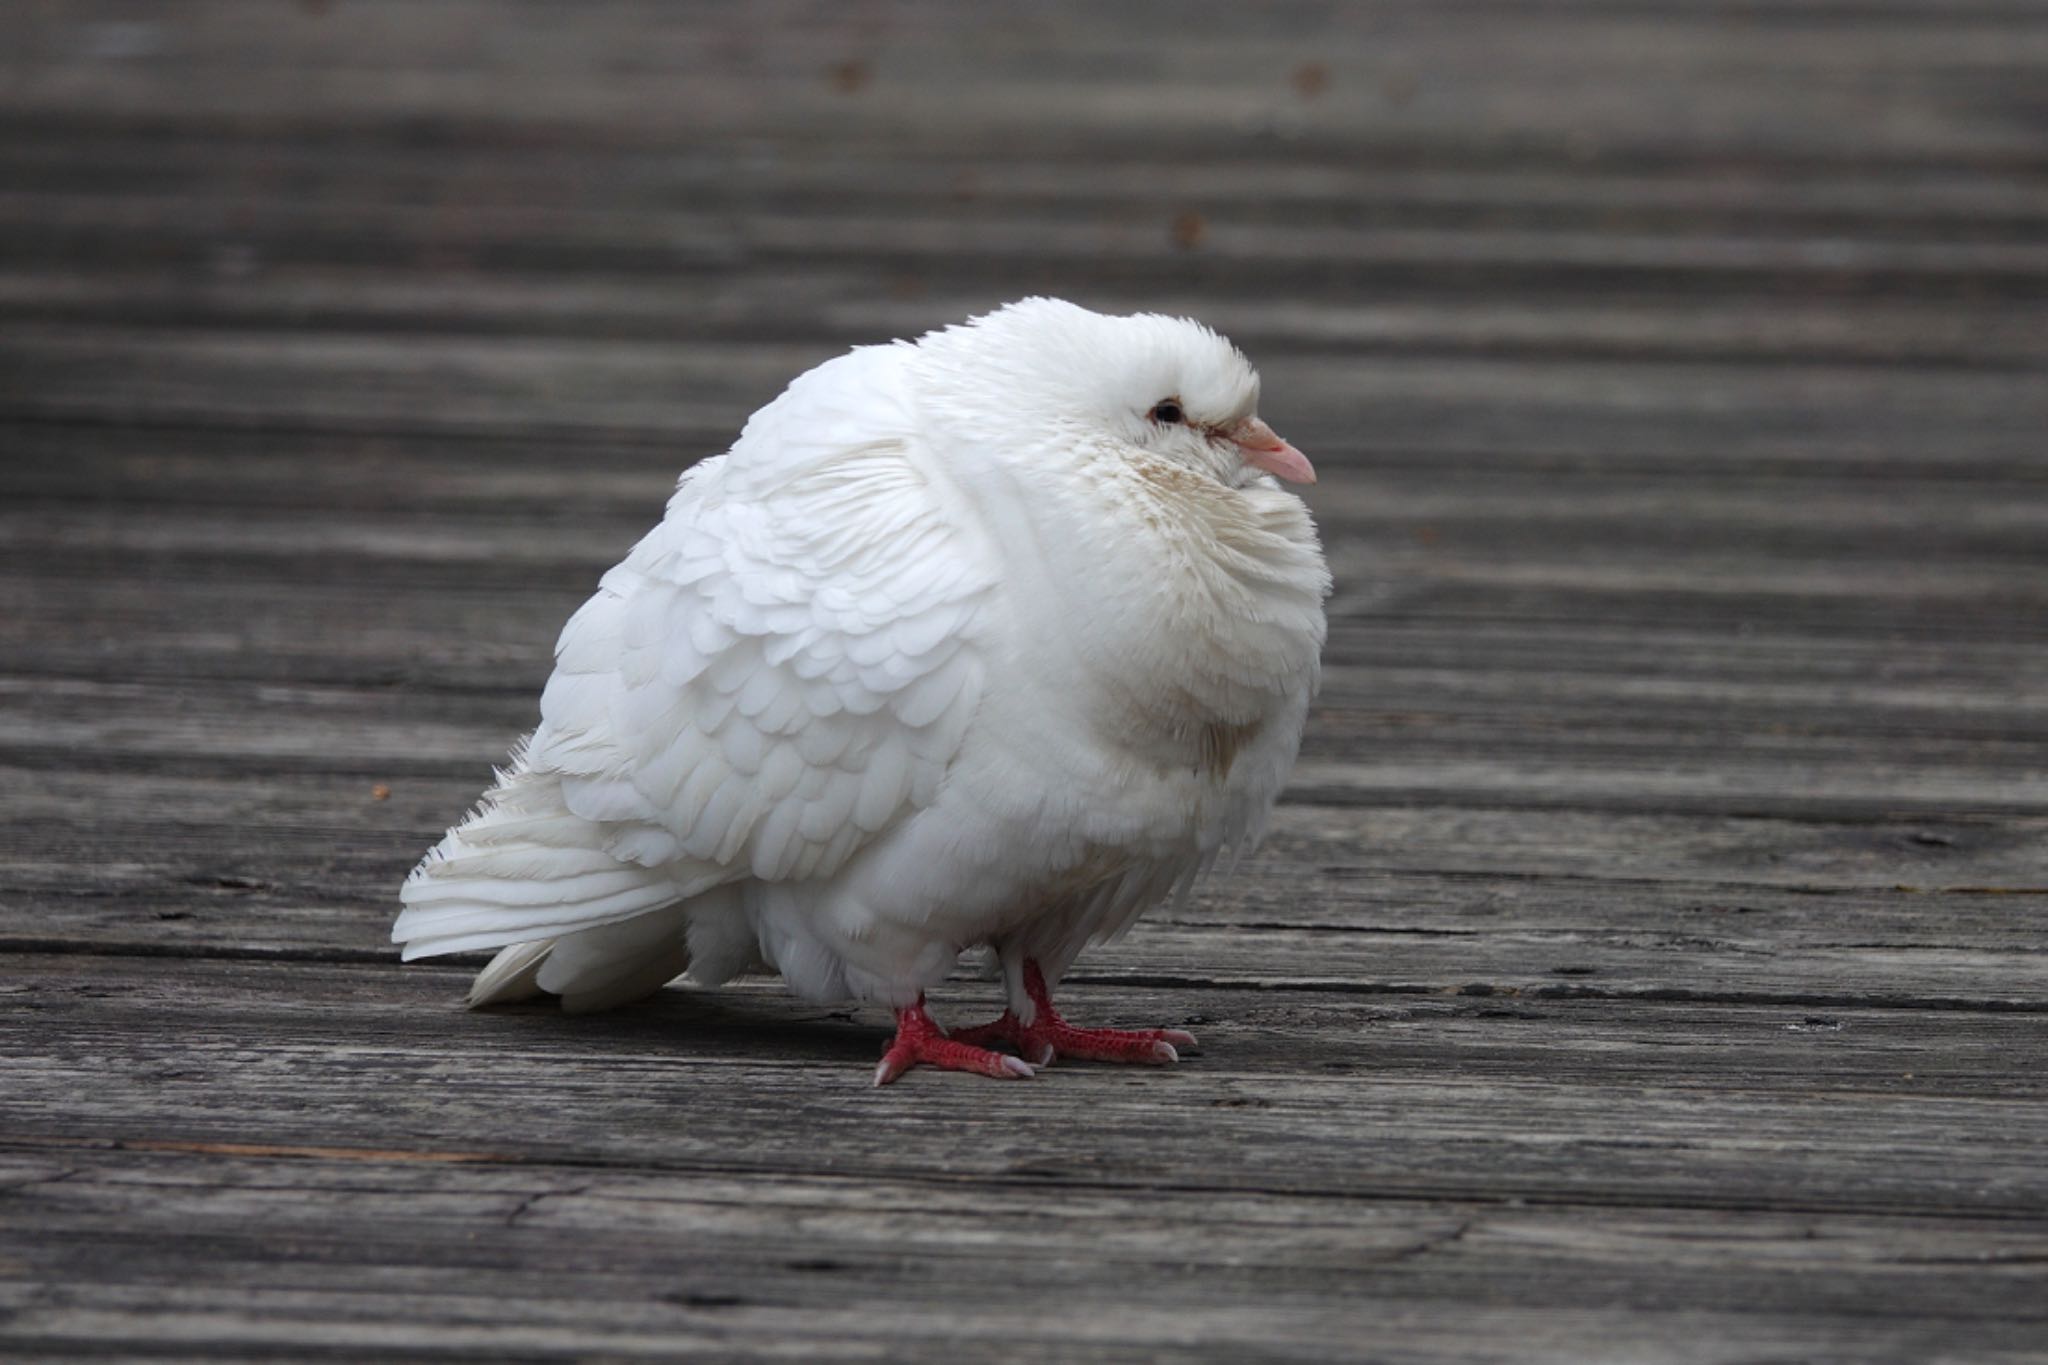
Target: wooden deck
<point x="1650" y="963"/>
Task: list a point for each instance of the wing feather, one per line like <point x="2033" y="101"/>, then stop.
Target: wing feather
<point x="773" y="713"/>
<point x="778" y="673"/>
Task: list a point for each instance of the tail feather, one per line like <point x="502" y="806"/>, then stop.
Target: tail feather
<point x="470" y="924"/>
<point x="600" y="968"/>
<point x="595" y="969"/>
<point x="524" y="868"/>
<point x="526" y="875"/>
<point x="511" y="976"/>
<point x="530" y="875"/>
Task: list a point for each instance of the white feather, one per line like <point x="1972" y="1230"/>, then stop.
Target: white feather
<point x="954" y="647"/>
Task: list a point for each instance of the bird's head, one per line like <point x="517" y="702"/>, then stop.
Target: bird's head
<point x="1144" y="385"/>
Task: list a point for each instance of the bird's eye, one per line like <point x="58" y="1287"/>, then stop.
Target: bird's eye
<point x="1168" y="413"/>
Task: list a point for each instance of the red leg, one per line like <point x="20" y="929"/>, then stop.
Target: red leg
<point x="920" y="1039"/>
<point x="1048" y="1035"/>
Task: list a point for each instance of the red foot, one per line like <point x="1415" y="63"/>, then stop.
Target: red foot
<point x="919" y="1039"/>
<point x="1048" y="1036"/>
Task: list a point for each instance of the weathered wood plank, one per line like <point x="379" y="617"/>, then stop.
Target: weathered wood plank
<point x="1587" y="77"/>
<point x="1656" y="757"/>
<point x="1306" y="1093"/>
<point x="1391" y="902"/>
<point x="1370" y="710"/>
<point x="1528" y="515"/>
<point x="618" y="1259"/>
<point x="1646" y="965"/>
<point x="244" y="816"/>
<point x="177" y="158"/>
<point x="817" y="305"/>
<point x="1086" y="253"/>
<point x="529" y="385"/>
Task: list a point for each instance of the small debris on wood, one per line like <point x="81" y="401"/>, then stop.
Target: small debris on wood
<point x="228" y="881"/>
<point x="849" y="77"/>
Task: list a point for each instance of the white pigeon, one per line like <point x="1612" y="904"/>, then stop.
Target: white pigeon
<point x="992" y="639"/>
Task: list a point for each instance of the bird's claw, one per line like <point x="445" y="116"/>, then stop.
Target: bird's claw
<point x="1048" y="1036"/>
<point x="919" y="1039"/>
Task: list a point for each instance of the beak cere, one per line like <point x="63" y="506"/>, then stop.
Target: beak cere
<point x="1262" y="448"/>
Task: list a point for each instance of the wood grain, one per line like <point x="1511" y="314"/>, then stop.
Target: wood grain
<point x="1647" y="963"/>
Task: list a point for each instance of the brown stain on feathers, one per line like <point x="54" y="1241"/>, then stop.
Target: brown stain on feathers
<point x="1233" y="533"/>
<point x="1218" y="744"/>
<point x="1100" y="864"/>
<point x="1176" y="480"/>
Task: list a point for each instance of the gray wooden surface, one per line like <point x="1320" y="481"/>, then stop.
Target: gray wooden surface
<point x="1647" y="965"/>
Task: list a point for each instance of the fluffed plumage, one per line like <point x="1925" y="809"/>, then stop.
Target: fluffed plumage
<point x="996" y="638"/>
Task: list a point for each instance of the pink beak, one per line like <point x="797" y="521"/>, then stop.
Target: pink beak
<point x="1263" y="449"/>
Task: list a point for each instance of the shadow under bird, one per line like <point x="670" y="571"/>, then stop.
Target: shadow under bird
<point x="994" y="639"/>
